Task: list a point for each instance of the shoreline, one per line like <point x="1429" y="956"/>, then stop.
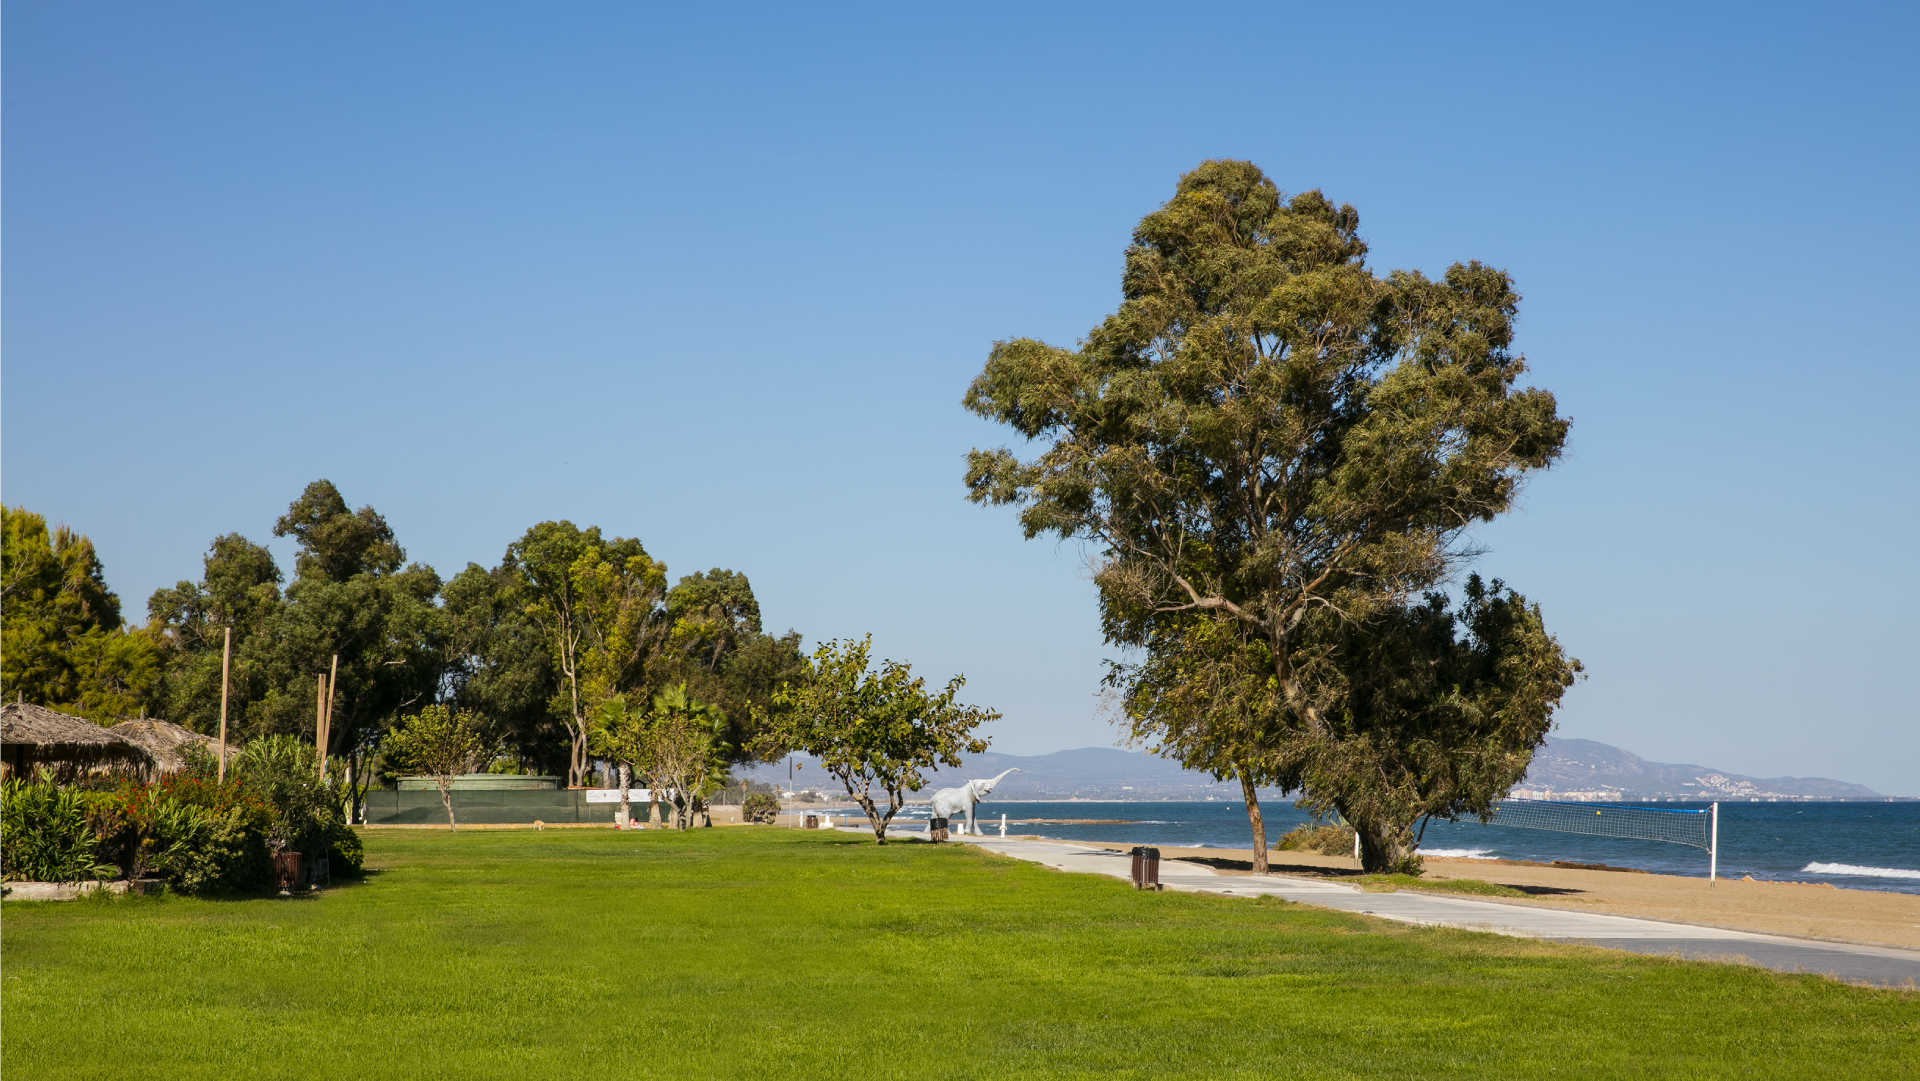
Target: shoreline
<point x="1795" y="909"/>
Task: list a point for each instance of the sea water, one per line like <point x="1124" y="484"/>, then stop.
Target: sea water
<point x="1871" y="846"/>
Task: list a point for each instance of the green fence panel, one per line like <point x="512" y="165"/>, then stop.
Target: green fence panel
<point x="389" y="807"/>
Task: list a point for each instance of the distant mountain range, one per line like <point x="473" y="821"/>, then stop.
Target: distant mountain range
<point x="1570" y="769"/>
<point x="1586" y="769"/>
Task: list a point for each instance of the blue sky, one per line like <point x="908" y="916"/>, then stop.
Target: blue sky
<point x="718" y="280"/>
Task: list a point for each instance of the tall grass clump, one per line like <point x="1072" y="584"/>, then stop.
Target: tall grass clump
<point x="1328" y="839"/>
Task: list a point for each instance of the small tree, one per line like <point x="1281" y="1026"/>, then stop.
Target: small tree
<point x="439" y="742"/>
<point x="871" y="728"/>
<point x="621" y="736"/>
<point x="688" y="753"/>
<point x="675" y="745"/>
<point x="759" y="807"/>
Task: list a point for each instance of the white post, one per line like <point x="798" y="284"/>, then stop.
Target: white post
<point x="1356" y="844"/>
<point x="1713" y="847"/>
<point x="1003" y="823"/>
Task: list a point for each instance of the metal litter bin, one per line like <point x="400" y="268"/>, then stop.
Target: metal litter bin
<point x="812" y="822"/>
<point x="1146" y="868"/>
<point x="937" y="829"/>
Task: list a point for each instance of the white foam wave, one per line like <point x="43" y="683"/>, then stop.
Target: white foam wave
<point x="1459" y="853"/>
<point x="1853" y="871"/>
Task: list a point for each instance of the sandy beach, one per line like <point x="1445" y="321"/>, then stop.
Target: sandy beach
<point x="1804" y="910"/>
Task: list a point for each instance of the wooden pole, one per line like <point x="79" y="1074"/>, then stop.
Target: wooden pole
<point x="320" y="719"/>
<point x="326" y="736"/>
<point x="226" y="656"/>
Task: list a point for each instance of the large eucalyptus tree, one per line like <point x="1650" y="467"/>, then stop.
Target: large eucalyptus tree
<point x="1272" y="446"/>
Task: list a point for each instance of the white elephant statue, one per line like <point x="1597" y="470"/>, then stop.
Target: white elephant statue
<point x="951" y="803"/>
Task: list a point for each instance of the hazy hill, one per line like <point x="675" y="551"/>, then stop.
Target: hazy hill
<point x="1562" y="769"/>
<point x="1584" y="768"/>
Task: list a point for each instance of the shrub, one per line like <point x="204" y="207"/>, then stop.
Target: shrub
<point x="197" y="760"/>
<point x="200" y="836"/>
<point x="759" y="807"/>
<point x="44" y="834"/>
<point x="306" y="814"/>
<point x="1324" y="838"/>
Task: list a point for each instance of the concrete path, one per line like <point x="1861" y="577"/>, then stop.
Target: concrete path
<point x="1880" y="965"/>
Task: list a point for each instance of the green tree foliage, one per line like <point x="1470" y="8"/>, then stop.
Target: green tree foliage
<point x="1272" y="446"/>
<point x="872" y="728"/>
<point x="760" y="808"/>
<point x="1439" y="712"/>
<point x="439" y="742"/>
<point x="62" y="644"/>
<point x="352" y="596"/>
<point x="715" y="647"/>
<point x="500" y="667"/>
<point x="239" y="588"/>
<point x="598" y="604"/>
<point x="623" y="736"/>
<point x="678" y="744"/>
<point x="711" y="614"/>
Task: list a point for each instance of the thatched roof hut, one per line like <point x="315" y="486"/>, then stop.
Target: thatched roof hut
<point x="166" y="743"/>
<point x="33" y="736"/>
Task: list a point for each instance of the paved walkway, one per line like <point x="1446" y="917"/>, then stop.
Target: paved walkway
<point x="1880" y="965"/>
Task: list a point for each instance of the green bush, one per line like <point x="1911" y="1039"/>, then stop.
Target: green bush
<point x="759" y="807"/>
<point x="198" y="835"/>
<point x="307" y="814"/>
<point x="1324" y="838"/>
<point x="344" y="853"/>
<point x="45" y="836"/>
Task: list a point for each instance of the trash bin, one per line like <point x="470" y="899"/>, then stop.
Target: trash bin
<point x="936" y="830"/>
<point x="1146" y="868"/>
<point x="286" y="870"/>
<point x="812" y="822"/>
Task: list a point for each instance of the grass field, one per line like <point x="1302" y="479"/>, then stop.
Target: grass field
<point x="779" y="954"/>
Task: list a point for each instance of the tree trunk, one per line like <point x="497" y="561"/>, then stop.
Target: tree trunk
<point x="1386" y="849"/>
<point x="352" y="792"/>
<point x="1254" y="820"/>
<point x="446" y="800"/>
<point x="626" y="811"/>
<point x="873" y="819"/>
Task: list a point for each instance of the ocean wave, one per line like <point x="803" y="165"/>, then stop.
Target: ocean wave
<point x="1459" y="853"/>
<point x="1853" y="871"/>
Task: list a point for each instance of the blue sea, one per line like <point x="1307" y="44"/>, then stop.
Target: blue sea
<point x="1865" y="846"/>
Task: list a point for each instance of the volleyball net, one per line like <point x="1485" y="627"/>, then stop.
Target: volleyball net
<point x="1695" y="827"/>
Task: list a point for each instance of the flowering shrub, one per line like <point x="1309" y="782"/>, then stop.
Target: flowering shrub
<point x="199" y="835"/>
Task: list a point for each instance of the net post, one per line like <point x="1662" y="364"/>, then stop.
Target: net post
<point x="1713" y="846"/>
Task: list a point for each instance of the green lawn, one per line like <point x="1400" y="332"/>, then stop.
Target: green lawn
<point x="773" y="954"/>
